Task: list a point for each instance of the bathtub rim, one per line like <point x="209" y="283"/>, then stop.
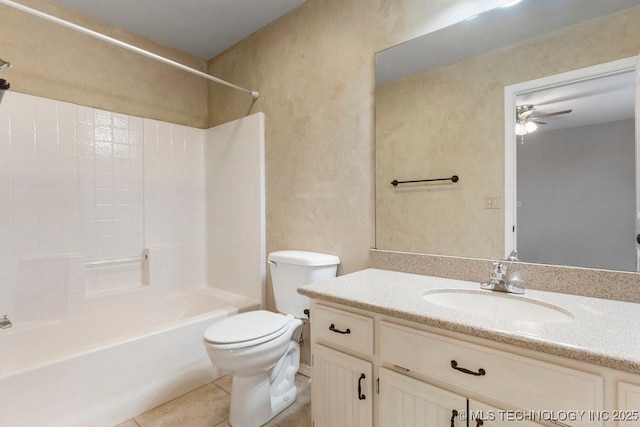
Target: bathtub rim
<point x="241" y="304"/>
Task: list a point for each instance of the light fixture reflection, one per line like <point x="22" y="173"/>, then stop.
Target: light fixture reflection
<point x="525" y="128"/>
<point x="511" y="3"/>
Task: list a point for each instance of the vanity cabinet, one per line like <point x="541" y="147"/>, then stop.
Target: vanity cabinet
<point x="341" y="389"/>
<point x="628" y="413"/>
<point x="422" y="377"/>
<point x="517" y="381"/>
<point x="342" y="383"/>
<point x="407" y="402"/>
<point x="483" y="415"/>
<point x="343" y="329"/>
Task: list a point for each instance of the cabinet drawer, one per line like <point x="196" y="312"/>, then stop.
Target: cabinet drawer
<point x="344" y="329"/>
<point x="517" y="381"/>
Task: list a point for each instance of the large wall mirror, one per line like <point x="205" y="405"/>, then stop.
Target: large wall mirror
<point x="465" y="100"/>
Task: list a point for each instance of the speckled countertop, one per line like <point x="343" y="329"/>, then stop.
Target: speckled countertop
<point x="602" y="332"/>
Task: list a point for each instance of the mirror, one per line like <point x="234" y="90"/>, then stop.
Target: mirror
<point x="440" y="112"/>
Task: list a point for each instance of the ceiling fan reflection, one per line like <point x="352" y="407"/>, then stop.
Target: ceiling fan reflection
<point x="527" y="122"/>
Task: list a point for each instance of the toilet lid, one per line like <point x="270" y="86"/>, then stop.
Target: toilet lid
<point x="246" y="327"/>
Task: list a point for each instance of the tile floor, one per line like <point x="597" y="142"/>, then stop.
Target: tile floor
<point x="208" y="406"/>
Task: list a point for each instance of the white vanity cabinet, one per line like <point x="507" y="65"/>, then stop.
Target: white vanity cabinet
<point x="413" y="375"/>
<point x="407" y="402"/>
<point x="342" y="383"/>
<point x="483" y="415"/>
<point x="518" y="382"/>
<point x="628" y="413"/>
<point x="341" y="389"/>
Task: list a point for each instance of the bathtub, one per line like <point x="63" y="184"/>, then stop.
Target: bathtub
<point x="118" y="357"/>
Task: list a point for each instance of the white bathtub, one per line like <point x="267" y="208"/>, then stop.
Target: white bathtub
<point x="121" y="356"/>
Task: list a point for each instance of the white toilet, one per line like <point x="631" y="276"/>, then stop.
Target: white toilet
<point x="260" y="348"/>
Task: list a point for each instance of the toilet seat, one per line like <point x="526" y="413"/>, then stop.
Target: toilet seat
<point x="246" y="329"/>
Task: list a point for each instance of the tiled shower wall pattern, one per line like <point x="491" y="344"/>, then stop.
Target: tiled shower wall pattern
<point x="174" y="204"/>
<point x="72" y="184"/>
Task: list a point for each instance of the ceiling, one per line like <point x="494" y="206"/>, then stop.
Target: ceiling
<point x="494" y="29"/>
<point x="203" y="28"/>
<point x="594" y="101"/>
<point x="600" y="100"/>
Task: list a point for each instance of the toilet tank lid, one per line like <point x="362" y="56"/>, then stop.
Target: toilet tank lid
<point x="312" y="259"/>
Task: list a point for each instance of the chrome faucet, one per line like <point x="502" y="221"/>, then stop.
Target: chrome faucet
<point x="5" y="322"/>
<point x="501" y="282"/>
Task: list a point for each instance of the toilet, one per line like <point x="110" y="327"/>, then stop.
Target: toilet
<point x="260" y="348"/>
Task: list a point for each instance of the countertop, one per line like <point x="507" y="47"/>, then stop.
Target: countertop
<point x="602" y="332"/>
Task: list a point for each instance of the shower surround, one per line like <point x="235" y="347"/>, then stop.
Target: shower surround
<point x="80" y="186"/>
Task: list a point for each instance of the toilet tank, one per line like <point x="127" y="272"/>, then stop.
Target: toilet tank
<point x="293" y="269"/>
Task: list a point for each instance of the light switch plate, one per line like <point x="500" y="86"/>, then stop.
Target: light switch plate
<point x="492" y="202"/>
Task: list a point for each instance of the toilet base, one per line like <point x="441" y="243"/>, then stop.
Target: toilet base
<point x="258" y="398"/>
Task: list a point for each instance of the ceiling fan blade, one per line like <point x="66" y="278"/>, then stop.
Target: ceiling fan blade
<point x="538" y="122"/>
<point x="552" y="114"/>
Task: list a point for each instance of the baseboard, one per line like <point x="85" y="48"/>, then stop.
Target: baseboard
<point x="305" y="370"/>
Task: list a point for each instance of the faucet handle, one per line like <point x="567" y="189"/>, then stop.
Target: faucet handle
<point x="499" y="268"/>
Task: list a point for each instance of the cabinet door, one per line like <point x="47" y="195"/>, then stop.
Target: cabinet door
<point x="483" y="415"/>
<point x="407" y="402"/>
<point x="628" y="414"/>
<point x="341" y="390"/>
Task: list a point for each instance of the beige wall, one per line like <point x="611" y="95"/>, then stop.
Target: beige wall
<point x="314" y="68"/>
<point x="462" y="134"/>
<point x="55" y="62"/>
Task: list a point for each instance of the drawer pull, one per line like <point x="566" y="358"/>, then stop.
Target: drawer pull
<point x="332" y="328"/>
<point x="454" y="414"/>
<point x="480" y="372"/>
<point x="360" y="395"/>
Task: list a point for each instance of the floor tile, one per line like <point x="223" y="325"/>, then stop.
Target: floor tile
<point x="224" y="383"/>
<point x="208" y="406"/>
<point x="299" y="413"/>
<point x="204" y="407"/>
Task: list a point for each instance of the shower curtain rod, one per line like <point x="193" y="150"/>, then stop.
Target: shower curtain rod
<point x="116" y="42"/>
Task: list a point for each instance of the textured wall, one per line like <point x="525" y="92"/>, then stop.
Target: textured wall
<point x="314" y="68"/>
<point x="55" y="62"/>
<point x="462" y="134"/>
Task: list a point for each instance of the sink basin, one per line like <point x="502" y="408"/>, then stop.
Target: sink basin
<point x="498" y="305"/>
